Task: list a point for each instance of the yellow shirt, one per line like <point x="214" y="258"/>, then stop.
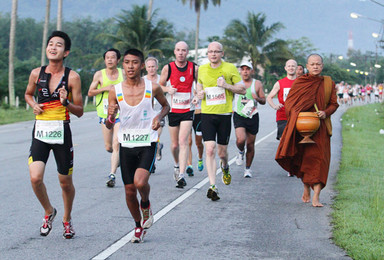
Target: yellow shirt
<point x="217" y="100"/>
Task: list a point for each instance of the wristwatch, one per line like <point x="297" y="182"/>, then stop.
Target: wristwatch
<point x="66" y="103"/>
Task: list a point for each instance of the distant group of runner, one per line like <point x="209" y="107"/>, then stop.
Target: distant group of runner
<point x="350" y="94"/>
<point x="132" y="111"/>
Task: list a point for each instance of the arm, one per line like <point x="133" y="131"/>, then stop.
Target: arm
<point x="29" y="92"/>
<point x="272" y="94"/>
<point x="97" y="79"/>
<point x="260" y="96"/>
<point x="163" y="81"/>
<point x="237" y="88"/>
<point x="159" y="95"/>
<point x="112" y="109"/>
<point x="76" y="107"/>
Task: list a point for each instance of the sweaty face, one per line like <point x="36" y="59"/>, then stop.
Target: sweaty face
<point x="132" y="66"/>
<point x="55" y="49"/>
<point x="111" y="60"/>
<point x="245" y="72"/>
<point x="314" y="65"/>
<point x="215" y="53"/>
<point x="151" y="67"/>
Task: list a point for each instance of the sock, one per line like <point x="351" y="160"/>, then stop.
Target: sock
<point x="144" y="205"/>
<point x="247" y="168"/>
<point x="213" y="186"/>
<point x="176" y="166"/>
<point x="241" y="152"/>
<point x="138" y="224"/>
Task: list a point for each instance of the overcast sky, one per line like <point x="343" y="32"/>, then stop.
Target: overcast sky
<point x="325" y="22"/>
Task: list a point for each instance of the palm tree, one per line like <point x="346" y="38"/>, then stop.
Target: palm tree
<point x="149" y="13"/>
<point x="197" y="4"/>
<point x="136" y="31"/>
<point x="59" y="14"/>
<point x="254" y="39"/>
<point x="45" y="32"/>
<point x="11" y="75"/>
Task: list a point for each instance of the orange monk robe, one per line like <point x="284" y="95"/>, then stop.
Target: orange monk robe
<point x="310" y="162"/>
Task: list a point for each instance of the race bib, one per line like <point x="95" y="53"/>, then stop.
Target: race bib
<point x="285" y="93"/>
<point x="134" y="137"/>
<point x="249" y="110"/>
<point x="105" y="106"/>
<point x="50" y="132"/>
<point x="181" y="100"/>
<point x="215" y="96"/>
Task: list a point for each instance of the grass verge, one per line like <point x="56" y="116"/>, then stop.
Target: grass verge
<point x="13" y="115"/>
<point x="358" y="217"/>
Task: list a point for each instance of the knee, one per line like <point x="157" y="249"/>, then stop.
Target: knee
<point x="130" y="193"/>
<point x="174" y="146"/>
<point x="66" y="185"/>
<point x="36" y="180"/>
<point x="210" y="152"/>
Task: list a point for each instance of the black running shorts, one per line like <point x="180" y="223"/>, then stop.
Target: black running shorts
<point x="251" y="125"/>
<point x="174" y="119"/>
<point x="216" y="125"/>
<point x="133" y="158"/>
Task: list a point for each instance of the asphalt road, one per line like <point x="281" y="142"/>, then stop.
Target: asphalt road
<point x="258" y="218"/>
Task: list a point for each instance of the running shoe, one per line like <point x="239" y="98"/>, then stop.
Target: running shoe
<point x="181" y="183"/>
<point x="189" y="170"/>
<point x="240" y="158"/>
<point x="153" y="169"/>
<point x="176" y="173"/>
<point x="111" y="180"/>
<point x="213" y="194"/>
<point x="247" y="173"/>
<point x="69" y="232"/>
<point x="147" y="220"/>
<point x="47" y="223"/>
<point x="138" y="235"/>
<point x="200" y="165"/>
<point x="226" y="176"/>
<point x="158" y="154"/>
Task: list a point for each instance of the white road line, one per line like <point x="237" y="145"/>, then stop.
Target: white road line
<point x="127" y="238"/>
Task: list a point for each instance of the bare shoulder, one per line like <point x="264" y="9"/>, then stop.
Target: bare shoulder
<point x="73" y="75"/>
<point x="35" y="72"/>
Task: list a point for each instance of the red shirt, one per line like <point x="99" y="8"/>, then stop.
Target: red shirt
<point x="285" y="86"/>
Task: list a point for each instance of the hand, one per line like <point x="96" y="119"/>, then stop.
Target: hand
<point x="172" y="90"/>
<point x="38" y="109"/>
<point x="195" y="100"/>
<point x="156" y="123"/>
<point x="200" y="94"/>
<point x="63" y="94"/>
<point x="279" y="106"/>
<point x="112" y="110"/>
<point x="221" y="82"/>
<point x="321" y="114"/>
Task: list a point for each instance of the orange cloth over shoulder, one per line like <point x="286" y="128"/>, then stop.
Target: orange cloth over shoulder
<point x="310" y="162"/>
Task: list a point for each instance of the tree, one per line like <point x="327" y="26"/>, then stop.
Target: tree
<point x="45" y="32"/>
<point x="197" y="5"/>
<point x="136" y="31"/>
<point x="301" y="49"/>
<point x="11" y="76"/>
<point x="254" y="39"/>
<point x="149" y="13"/>
<point x="59" y="14"/>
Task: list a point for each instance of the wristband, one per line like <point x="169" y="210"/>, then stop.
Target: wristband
<point x="66" y="103"/>
<point x="109" y="119"/>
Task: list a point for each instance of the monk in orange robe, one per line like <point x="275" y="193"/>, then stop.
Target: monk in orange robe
<point x="309" y="162"/>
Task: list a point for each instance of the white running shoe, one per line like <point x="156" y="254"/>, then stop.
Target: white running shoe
<point x="247" y="173"/>
<point x="240" y="158"/>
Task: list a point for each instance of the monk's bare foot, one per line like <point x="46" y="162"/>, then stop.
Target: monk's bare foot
<point x="306" y="194"/>
<point x="316" y="201"/>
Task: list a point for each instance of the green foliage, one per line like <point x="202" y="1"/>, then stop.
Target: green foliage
<point x="136" y="31"/>
<point x="358" y="217"/>
<point x="338" y="74"/>
<point x="196" y="4"/>
<point x="301" y="49"/>
<point x="254" y="39"/>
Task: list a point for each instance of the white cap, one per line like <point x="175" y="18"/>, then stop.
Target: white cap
<point x="248" y="64"/>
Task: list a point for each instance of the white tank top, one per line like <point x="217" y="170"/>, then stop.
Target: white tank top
<point x="136" y="121"/>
